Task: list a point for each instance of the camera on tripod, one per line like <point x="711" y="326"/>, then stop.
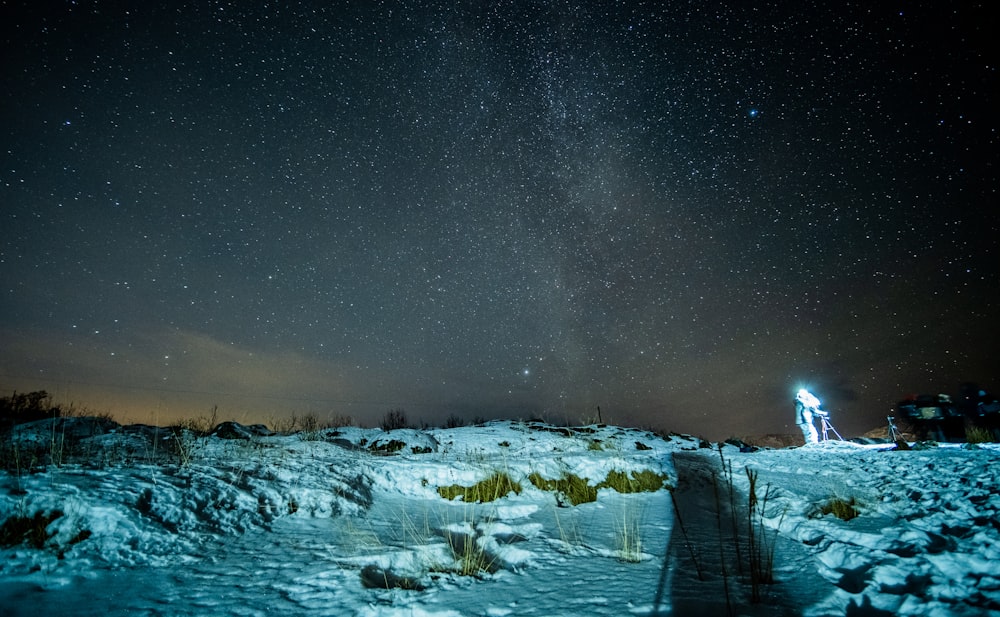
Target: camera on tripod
<point x="826" y="427"/>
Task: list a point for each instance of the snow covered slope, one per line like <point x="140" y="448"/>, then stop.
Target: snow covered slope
<point x="506" y="518"/>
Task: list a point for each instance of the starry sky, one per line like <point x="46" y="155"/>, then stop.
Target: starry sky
<point x="679" y="212"/>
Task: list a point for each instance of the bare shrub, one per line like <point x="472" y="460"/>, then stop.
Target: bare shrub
<point x="394" y="419"/>
<point x="27" y="407"/>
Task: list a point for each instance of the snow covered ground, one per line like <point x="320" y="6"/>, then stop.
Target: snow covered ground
<point x="351" y="521"/>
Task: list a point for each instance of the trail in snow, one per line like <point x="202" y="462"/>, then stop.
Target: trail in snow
<point x="709" y="561"/>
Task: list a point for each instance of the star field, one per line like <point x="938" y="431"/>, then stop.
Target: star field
<point x="676" y="212"/>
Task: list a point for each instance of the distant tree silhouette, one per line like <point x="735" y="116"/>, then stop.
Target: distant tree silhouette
<point x="394" y="419"/>
<point x="27" y="407"/>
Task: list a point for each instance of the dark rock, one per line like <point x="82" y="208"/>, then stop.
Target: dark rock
<point x="235" y="430"/>
<point x="374" y="577"/>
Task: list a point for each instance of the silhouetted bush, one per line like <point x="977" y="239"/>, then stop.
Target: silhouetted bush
<point x="394" y="419"/>
<point x="26" y="407"/>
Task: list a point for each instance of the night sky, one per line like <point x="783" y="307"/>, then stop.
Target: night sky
<point x="680" y="212"/>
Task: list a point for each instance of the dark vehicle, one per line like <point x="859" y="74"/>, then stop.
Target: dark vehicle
<point x="981" y="409"/>
<point x="933" y="416"/>
<point x="927" y="407"/>
<point x="938" y="417"/>
<point x="974" y="401"/>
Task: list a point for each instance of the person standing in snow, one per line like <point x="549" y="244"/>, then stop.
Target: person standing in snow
<point x="806" y="406"/>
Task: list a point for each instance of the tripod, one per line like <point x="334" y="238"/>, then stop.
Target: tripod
<point x="894" y="434"/>
<point x="826" y="427"/>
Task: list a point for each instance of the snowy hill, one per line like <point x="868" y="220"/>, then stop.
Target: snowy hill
<point x="505" y="518"/>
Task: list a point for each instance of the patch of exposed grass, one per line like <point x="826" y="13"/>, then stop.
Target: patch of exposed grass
<point x="579" y="490"/>
<point x="844" y="509"/>
<point x="387" y="447"/>
<point x="575" y="489"/>
<point x="492" y="488"/>
<point x="645" y="481"/>
<point x="32" y="530"/>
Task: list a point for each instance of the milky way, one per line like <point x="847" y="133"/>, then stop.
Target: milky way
<point x="675" y="212"/>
